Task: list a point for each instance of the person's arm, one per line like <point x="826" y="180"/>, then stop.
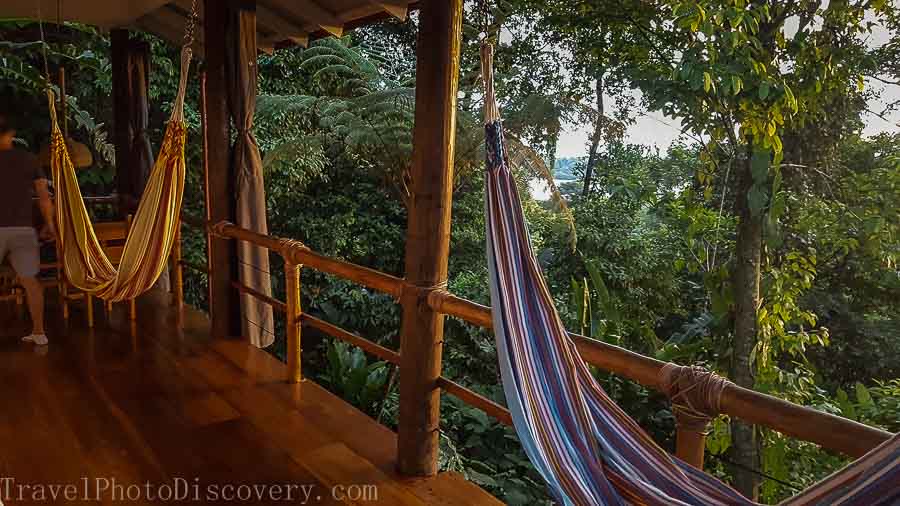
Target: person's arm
<point x="42" y="190"/>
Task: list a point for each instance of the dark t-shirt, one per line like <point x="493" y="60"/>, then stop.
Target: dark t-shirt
<point x="18" y="171"/>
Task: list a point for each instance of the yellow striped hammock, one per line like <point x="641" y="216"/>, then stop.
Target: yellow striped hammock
<point x="155" y="223"/>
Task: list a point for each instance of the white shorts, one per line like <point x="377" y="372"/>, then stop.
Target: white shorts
<point x="21" y="243"/>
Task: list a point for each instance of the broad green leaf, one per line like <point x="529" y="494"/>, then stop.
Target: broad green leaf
<point x="736" y="84"/>
<point x="792" y="101"/>
<point x="862" y="395"/>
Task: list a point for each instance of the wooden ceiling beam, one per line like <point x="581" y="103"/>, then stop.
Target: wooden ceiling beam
<point x="185" y="5"/>
<point x="280" y="26"/>
<point x="310" y="13"/>
<point x="139" y="8"/>
<point x="169" y="26"/>
<point x="265" y="42"/>
<point x="105" y="15"/>
<point x="396" y="8"/>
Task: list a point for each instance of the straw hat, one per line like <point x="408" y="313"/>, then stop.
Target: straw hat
<point x="80" y="154"/>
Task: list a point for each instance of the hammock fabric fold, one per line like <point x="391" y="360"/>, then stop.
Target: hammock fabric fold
<point x="154" y="227"/>
<point x="589" y="451"/>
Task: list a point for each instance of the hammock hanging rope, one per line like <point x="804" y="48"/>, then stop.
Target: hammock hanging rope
<point x="589" y="451"/>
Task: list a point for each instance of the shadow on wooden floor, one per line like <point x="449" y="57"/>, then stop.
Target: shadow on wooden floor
<point x="159" y="401"/>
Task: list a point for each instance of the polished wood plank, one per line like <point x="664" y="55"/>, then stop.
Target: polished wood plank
<point x="449" y="489"/>
<point x="160" y="400"/>
<point x="355" y="480"/>
<point x="342" y="422"/>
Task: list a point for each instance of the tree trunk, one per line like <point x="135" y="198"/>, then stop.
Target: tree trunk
<point x="746" y="281"/>
<point x="595" y="139"/>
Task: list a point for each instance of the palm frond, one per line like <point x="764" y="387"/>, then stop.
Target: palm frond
<point x="524" y="158"/>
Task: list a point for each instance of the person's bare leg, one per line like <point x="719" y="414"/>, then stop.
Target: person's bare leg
<point x="34" y="292"/>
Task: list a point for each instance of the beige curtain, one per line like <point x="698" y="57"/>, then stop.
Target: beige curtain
<point x="246" y="165"/>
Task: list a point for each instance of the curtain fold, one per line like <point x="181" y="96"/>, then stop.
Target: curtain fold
<point x="257" y="320"/>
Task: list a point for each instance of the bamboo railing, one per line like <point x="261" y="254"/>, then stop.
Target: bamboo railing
<point x="829" y="431"/>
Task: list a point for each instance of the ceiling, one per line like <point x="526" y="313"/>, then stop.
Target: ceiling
<point x="279" y="22"/>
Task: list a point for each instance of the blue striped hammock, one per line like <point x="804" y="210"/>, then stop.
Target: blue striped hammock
<point x="589" y="451"/>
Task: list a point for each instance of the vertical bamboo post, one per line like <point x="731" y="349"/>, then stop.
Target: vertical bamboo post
<point x="428" y="233"/>
<point x="690" y="445"/>
<point x="294" y="311"/>
<point x="89" y="302"/>
<point x="62" y="283"/>
<point x="177" y="270"/>
<point x="132" y="303"/>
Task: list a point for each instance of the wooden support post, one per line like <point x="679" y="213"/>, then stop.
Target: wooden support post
<point x="428" y="234"/>
<point x="690" y="445"/>
<point x="64" y="295"/>
<point x="223" y="302"/>
<point x="62" y="284"/>
<point x="294" y="321"/>
<point x="89" y="302"/>
<point x="121" y="90"/>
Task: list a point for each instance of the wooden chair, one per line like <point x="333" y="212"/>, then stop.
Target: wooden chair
<point x="9" y="288"/>
<point x="112" y="235"/>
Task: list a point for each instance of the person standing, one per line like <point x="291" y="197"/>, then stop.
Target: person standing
<point x="22" y="177"/>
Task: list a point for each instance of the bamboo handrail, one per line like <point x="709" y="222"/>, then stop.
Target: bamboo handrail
<point x="296" y="253"/>
<point x="276" y="304"/>
<point x="827" y="430"/>
<point x="93" y="200"/>
<point x="476" y="400"/>
<point x="371" y="347"/>
<point x="375" y="349"/>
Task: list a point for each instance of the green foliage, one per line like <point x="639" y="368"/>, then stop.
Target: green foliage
<point x="23" y="84"/>
<point x="355" y="379"/>
<point x="657" y="231"/>
<point x="488" y="454"/>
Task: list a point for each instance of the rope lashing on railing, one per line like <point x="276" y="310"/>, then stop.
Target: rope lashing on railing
<point x="425" y="293"/>
<point x="218" y="230"/>
<point x="288" y="245"/>
<point x="695" y="393"/>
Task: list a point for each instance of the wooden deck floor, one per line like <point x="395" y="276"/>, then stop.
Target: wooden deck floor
<point x="130" y="404"/>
